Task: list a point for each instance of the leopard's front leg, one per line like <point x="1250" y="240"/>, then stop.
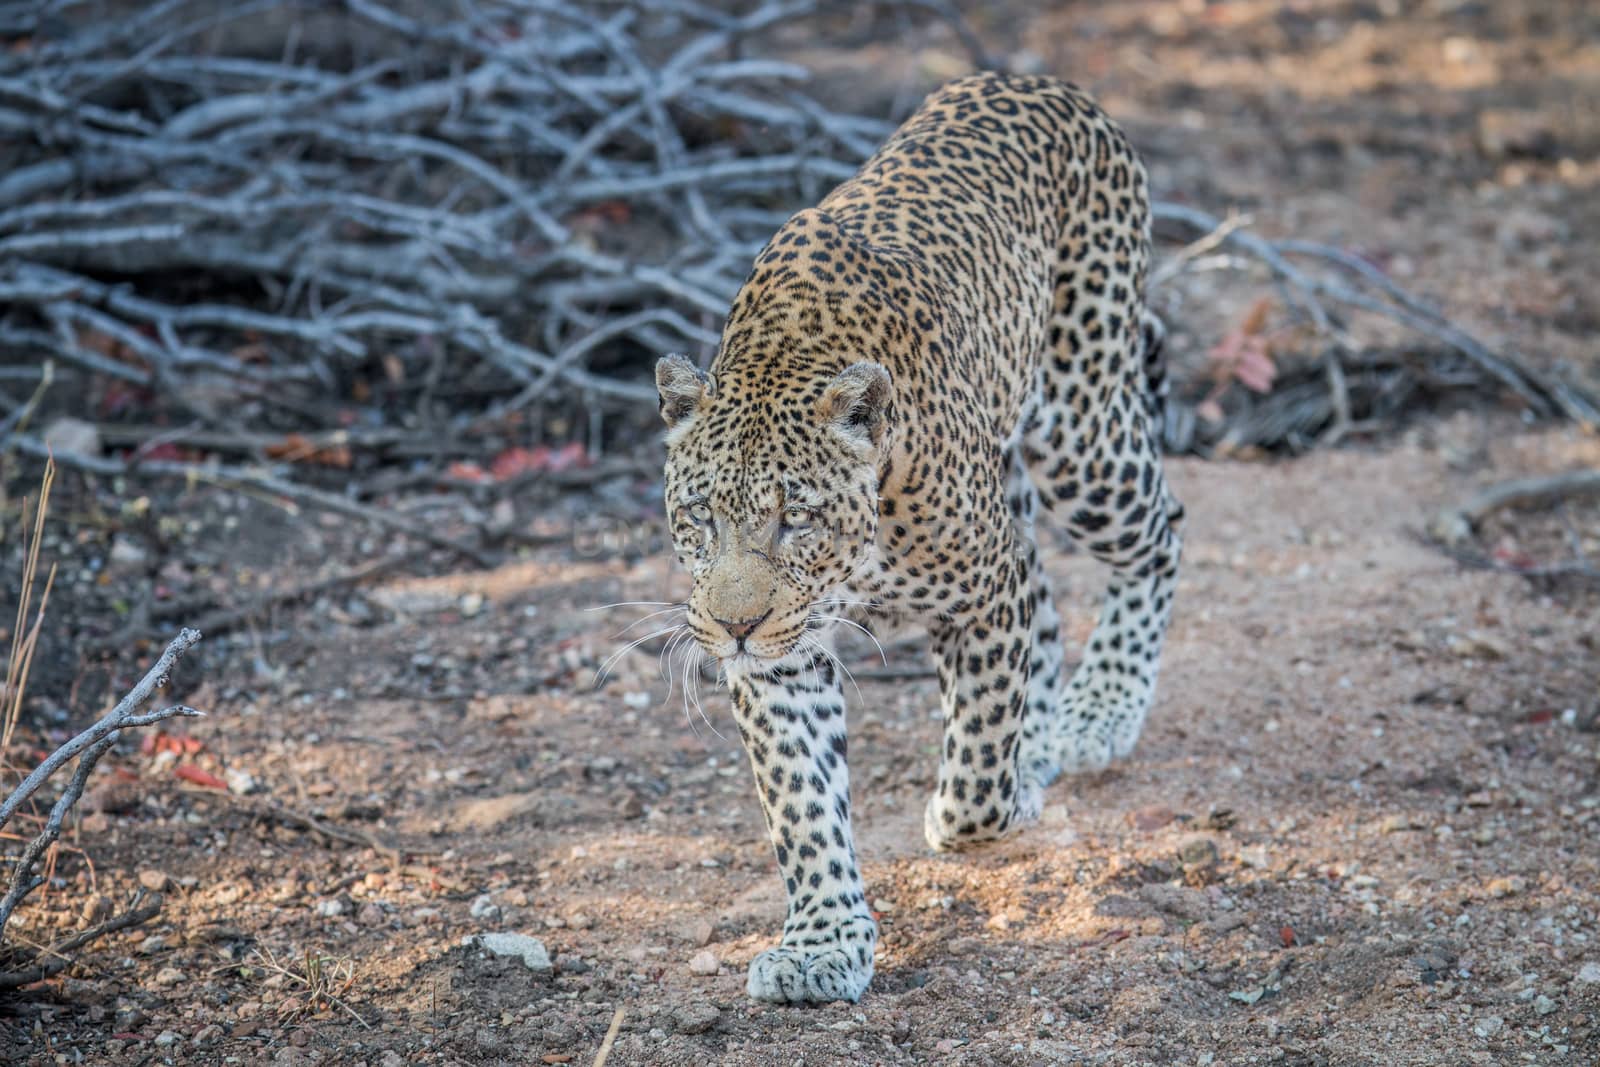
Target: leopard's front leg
<point x="791" y="718"/>
<point x="984" y="664"/>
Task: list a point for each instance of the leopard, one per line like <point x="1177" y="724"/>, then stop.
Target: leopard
<point x="951" y="345"/>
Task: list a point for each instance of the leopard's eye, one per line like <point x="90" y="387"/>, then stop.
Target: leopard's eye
<point x="700" y="512"/>
<point x="798" y="519"/>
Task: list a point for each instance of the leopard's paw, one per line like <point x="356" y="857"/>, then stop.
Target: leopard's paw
<point x="785" y="975"/>
<point x="1094" y="732"/>
<point x="951" y="828"/>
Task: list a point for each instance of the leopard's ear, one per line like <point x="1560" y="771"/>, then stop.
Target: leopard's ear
<point x="856" y="404"/>
<point x="682" y="385"/>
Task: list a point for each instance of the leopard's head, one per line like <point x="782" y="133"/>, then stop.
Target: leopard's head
<point x="771" y="495"/>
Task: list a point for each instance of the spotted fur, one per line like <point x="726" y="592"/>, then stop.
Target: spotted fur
<point x="949" y="343"/>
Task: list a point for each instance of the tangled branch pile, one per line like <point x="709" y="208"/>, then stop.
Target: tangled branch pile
<point x="404" y="220"/>
<point x="271" y="200"/>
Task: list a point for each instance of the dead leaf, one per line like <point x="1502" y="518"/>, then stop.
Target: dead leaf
<point x="205" y="779"/>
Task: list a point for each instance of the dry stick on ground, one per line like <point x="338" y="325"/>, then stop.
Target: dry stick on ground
<point x="145" y="906"/>
<point x="242" y="478"/>
<point x="1455" y="524"/>
<point x="87" y="748"/>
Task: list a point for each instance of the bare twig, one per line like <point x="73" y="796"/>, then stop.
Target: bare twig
<point x="241" y="478"/>
<point x="118" y="718"/>
<point x="601" y="1056"/>
<point x="55" y="955"/>
<point x="1454" y="525"/>
<point x="87" y="748"/>
<point x="271" y="809"/>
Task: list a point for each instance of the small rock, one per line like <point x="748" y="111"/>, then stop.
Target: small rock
<point x="331" y="908"/>
<point x="391" y="1058"/>
<point x="1176" y="900"/>
<point x="695" y="1018"/>
<point x="240" y="782"/>
<point x="705" y="963"/>
<point x="166" y="1038"/>
<point x="169" y="976"/>
<point x="1152" y="818"/>
<point x="630" y="806"/>
<point x="72" y="435"/>
<point x="1488" y="1026"/>
<point x="155" y="881"/>
<point x="152" y="944"/>
<point x="470" y="605"/>
<point x="227" y="893"/>
<point x="371" y="915"/>
<point x="96" y="907"/>
<point x="1395" y="824"/>
<point x="531" y="949"/>
<point x="1255" y="856"/>
<point x="1500" y="888"/>
<point x="484" y="909"/>
<point x="1197" y="851"/>
<point x="207" y="1035"/>
<point x="570" y="964"/>
<point x="701" y="933"/>
<point x="1588" y="974"/>
<point x="126" y="550"/>
<point x="1508" y="132"/>
<point x="1543" y="1004"/>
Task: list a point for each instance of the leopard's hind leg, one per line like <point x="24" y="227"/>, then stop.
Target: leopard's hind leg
<point x="1092" y="446"/>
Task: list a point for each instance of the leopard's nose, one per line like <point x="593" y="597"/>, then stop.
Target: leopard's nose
<point x="741" y="630"/>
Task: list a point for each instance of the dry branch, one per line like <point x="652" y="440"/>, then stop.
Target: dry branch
<point x="87" y="748"/>
<point x="1320" y="401"/>
<point x="1454" y="525"/>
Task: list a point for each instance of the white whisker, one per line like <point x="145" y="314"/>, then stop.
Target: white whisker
<point x="632" y="604"/>
<point x="664" y="657"/>
<point x="647" y="618"/>
<point x="605" y="668"/>
<point x="688" y="665"/>
<point x="851" y="622"/>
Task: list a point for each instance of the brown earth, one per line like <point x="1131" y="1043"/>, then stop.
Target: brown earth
<point x="1360" y="829"/>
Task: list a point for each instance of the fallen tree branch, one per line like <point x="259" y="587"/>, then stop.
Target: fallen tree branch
<point x="87" y="748"/>
<point x="55" y="955"/>
<point x="241" y="478"/>
<point x="1454" y="525"/>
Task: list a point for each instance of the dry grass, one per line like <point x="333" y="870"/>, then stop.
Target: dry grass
<point x="25" y="638"/>
<point x="325" y="982"/>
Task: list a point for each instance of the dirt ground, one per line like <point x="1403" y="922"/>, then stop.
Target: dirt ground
<point x="1360" y="828"/>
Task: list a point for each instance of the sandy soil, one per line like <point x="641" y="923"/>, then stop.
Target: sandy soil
<point x="1360" y="829"/>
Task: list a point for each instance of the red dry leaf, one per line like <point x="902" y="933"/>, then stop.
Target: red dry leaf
<point x="297" y="448"/>
<point x="161" y="741"/>
<point x="518" y="460"/>
<point x="166" y="450"/>
<point x="1243" y="355"/>
<point x="1515" y="558"/>
<point x="467" y="472"/>
<point x="205" y="779"/>
<point x="1286" y="935"/>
